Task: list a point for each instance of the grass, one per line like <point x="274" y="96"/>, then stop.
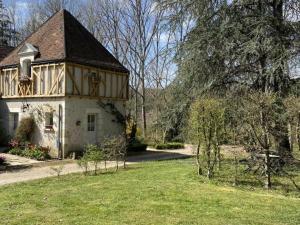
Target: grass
<point x="166" y="192"/>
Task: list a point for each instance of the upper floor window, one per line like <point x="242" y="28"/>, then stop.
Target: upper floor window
<point x="26" y="68"/>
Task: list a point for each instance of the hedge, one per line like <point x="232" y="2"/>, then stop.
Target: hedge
<point x="169" y="145"/>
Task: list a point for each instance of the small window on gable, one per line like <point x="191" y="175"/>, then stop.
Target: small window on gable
<point x="49" y="120"/>
<point x="26" y="68"/>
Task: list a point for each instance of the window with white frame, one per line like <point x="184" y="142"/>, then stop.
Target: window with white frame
<point x="91" y="122"/>
<point x="49" y="120"/>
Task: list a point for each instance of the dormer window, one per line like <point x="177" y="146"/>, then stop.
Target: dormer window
<point x="27" y="54"/>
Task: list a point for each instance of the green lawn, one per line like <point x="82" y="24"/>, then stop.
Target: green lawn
<point x="158" y="193"/>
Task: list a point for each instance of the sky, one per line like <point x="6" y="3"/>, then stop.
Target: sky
<point x="22" y="13"/>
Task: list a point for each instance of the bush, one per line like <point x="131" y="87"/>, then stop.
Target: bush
<point x="37" y="153"/>
<point x="178" y="139"/>
<point x="169" y="146"/>
<point x="33" y="152"/>
<point x="16" y="151"/>
<point x="136" y="146"/>
<point x="25" y="129"/>
<point x="13" y="143"/>
<point x="94" y="154"/>
<point x="2" y="160"/>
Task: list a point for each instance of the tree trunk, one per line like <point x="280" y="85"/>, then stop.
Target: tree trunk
<point x="290" y="133"/>
<point x="209" y="166"/>
<point x="281" y="131"/>
<point x="198" y="160"/>
<point x="95" y="168"/>
<point x="235" y="171"/>
<point x="218" y="153"/>
<point x="144" y="109"/>
<point x="298" y="131"/>
<point x="267" y="170"/>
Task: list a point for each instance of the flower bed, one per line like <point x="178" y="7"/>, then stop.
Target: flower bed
<point x="29" y="150"/>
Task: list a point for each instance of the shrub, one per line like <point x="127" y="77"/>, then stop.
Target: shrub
<point x="13" y="143"/>
<point x="178" y="139"/>
<point x="34" y="152"/>
<point x="25" y="129"/>
<point x="95" y="155"/>
<point x="2" y="160"/>
<point x="83" y="162"/>
<point x="38" y="153"/>
<point x="172" y="145"/>
<point x="136" y="146"/>
<point x="115" y="148"/>
<point x="16" y="151"/>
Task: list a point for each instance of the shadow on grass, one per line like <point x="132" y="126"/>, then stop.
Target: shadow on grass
<point x="156" y="156"/>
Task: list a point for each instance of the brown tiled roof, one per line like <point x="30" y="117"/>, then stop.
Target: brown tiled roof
<point x="63" y="38"/>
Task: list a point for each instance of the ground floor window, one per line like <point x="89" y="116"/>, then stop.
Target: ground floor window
<point x="49" y="120"/>
<point x="91" y="122"/>
<point x="15" y="120"/>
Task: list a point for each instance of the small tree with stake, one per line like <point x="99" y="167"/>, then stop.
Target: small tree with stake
<point x="259" y="119"/>
<point x="115" y="149"/>
<point x="205" y="125"/>
<point x="93" y="154"/>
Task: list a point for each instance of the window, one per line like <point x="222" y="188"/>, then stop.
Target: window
<point x="15" y="120"/>
<point x="49" y="120"/>
<point x="26" y="68"/>
<point x="91" y="122"/>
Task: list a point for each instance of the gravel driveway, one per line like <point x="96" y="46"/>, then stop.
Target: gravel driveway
<point x="39" y="170"/>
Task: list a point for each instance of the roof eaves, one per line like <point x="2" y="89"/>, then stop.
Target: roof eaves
<point x="64" y="31"/>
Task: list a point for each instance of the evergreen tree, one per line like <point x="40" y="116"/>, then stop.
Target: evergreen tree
<point x="237" y="44"/>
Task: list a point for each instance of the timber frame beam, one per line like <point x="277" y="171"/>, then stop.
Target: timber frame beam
<point x="64" y="79"/>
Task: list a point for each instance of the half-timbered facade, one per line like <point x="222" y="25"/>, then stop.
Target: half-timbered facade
<point x="63" y="77"/>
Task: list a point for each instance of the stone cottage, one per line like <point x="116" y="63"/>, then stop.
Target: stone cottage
<point x="68" y="82"/>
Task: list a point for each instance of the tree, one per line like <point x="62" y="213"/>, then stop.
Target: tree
<point x="292" y="104"/>
<point x="259" y="116"/>
<point x="39" y="11"/>
<point x="245" y="44"/>
<point x="115" y="149"/>
<point x="205" y="125"/>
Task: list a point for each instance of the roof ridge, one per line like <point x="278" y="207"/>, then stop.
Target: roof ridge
<point x="91" y="36"/>
<point x="64" y="31"/>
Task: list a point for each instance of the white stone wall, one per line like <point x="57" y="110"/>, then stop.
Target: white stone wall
<point x="76" y="133"/>
<point x="37" y="109"/>
<point x="74" y="121"/>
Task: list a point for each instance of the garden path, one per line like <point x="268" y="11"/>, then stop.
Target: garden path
<point x="41" y="170"/>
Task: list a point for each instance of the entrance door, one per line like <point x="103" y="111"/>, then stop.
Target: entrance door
<point x="92" y="128"/>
